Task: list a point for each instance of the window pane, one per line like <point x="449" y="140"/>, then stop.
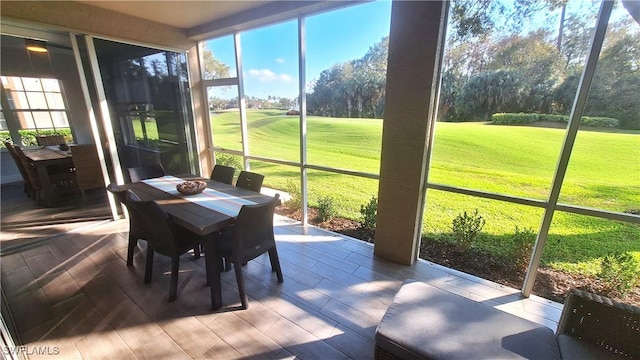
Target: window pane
<point x="25" y="119"/>
<point x="51" y="85"/>
<point x="32" y="84"/>
<point x="271" y="90"/>
<point x="503" y="246"/>
<point x="574" y="252"/>
<point x="604" y="168"/>
<point x="59" y="119"/>
<point x="347" y="192"/>
<point x="42" y="120"/>
<point x="346" y="74"/>
<point x="18" y="100"/>
<point x="499" y="126"/>
<point x="225" y="117"/>
<point x="219" y="58"/>
<point x="55" y="101"/>
<point x="37" y="101"/>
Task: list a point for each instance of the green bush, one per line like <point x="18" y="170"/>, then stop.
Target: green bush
<point x="234" y="161"/>
<point x="28" y="137"/>
<point x="326" y="208"/>
<point x="600" y="122"/>
<point x="513" y="118"/>
<point x="521" y="118"/>
<point x="295" y="196"/>
<point x="553" y="118"/>
<point x="465" y="228"/>
<point x="620" y="273"/>
<point x="369" y="212"/>
<point x="522" y="245"/>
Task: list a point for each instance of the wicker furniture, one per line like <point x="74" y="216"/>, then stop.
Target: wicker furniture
<point x="223" y="173"/>
<point x="250" y="237"/>
<point x="250" y="181"/>
<point x="50" y="140"/>
<point x="424" y="322"/>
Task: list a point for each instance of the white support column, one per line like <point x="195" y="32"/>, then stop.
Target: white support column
<point x="302" y="96"/>
<point x="570" y="138"/>
<point x="242" y="103"/>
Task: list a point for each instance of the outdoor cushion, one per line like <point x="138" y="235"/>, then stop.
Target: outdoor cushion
<point x="424" y="322"/>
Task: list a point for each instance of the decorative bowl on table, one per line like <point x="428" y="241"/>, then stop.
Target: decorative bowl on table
<point x="191" y="187"/>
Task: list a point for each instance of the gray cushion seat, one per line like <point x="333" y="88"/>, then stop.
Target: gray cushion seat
<point x="424" y="322"/>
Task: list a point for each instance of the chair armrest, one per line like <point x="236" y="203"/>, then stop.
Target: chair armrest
<point x="599" y="320"/>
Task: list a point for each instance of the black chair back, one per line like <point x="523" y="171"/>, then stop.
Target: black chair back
<point x="223" y="173"/>
<point x="152" y="224"/>
<point x="250" y="181"/>
<point x="253" y="230"/>
<point x="136" y="174"/>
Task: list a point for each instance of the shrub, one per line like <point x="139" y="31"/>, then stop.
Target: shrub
<point x="512" y="118"/>
<point x="553" y="118"/>
<point x="522" y="245"/>
<point x="369" y="212"/>
<point x="466" y="228"/>
<point x="295" y="199"/>
<point x="620" y="273"/>
<point x="600" y="122"/>
<point x="234" y="161"/>
<point x="326" y="208"/>
<point x="28" y="137"/>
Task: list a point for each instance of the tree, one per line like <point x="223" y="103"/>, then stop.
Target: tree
<point x="214" y="68"/>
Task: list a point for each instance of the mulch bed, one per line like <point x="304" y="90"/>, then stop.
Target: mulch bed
<point x="550" y="283"/>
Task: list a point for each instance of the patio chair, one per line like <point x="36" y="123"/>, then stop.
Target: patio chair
<point x="250" y="237"/>
<point x="136" y="174"/>
<point x="20" y="166"/>
<point x="50" y="140"/>
<point x="223" y="173"/>
<point x="250" y="181"/>
<point x="87" y="169"/>
<point x="134" y="233"/>
<point x="162" y="235"/>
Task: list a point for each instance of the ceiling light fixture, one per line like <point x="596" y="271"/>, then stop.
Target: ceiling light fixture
<point x="36" y="45"/>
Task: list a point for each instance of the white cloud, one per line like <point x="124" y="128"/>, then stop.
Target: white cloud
<point x="266" y="75"/>
<point x="280" y="60"/>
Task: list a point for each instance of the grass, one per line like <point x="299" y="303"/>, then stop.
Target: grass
<point x="603" y="172"/>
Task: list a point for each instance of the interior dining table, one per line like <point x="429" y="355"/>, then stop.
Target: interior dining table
<point x="42" y="158"/>
<point x="212" y="210"/>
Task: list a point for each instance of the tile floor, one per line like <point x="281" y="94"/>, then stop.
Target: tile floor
<point x="74" y="297"/>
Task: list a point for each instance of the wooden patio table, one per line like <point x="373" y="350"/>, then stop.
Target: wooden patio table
<point x="203" y="214"/>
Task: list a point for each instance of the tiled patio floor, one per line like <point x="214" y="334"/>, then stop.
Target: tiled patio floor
<point x="75" y="296"/>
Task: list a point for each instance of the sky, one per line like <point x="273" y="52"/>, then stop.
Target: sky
<point x="270" y="54"/>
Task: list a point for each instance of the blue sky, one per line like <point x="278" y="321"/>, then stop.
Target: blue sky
<point x="270" y="54"/>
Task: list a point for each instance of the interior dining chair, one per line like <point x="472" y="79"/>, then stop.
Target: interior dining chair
<point x="250" y="181"/>
<point x="163" y="236"/>
<point x="20" y="166"/>
<point x="223" y="173"/>
<point x="136" y="174"/>
<point x="250" y="237"/>
<point x="35" y="185"/>
<point x="87" y="168"/>
<point x="50" y="140"/>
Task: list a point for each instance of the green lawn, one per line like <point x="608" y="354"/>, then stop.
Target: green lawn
<point x="604" y="172"/>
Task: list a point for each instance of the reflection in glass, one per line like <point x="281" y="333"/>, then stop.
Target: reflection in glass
<point x="147" y="91"/>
